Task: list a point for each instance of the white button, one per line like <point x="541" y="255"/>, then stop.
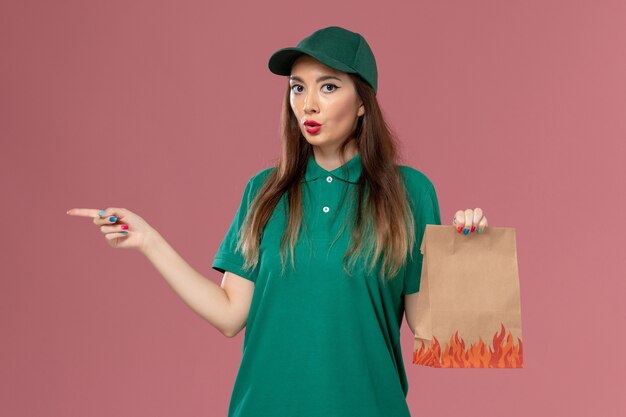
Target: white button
<point x="325" y="209"/>
<point x="329" y="178"/>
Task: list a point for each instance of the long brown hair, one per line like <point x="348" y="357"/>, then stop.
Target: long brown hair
<point x="383" y="221"/>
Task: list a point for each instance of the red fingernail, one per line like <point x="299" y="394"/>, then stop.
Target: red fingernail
<point x="124" y="226"/>
<point x="458" y="229"/>
<point x="473" y="228"/>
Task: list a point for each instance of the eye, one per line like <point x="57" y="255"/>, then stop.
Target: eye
<point x="334" y="87"/>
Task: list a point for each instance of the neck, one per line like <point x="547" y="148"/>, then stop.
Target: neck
<point x="330" y="159"/>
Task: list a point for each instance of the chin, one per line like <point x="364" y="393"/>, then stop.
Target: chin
<point x="316" y="141"/>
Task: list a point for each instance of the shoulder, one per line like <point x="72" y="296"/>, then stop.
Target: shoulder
<point x="258" y="179"/>
<point x="414" y="180"/>
<point x="419" y="187"/>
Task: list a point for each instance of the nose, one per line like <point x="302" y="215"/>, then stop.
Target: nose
<point x="310" y="103"/>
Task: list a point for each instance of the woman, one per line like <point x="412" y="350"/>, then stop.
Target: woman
<point x="322" y="258"/>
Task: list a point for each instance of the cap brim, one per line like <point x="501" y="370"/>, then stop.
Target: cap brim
<point x="281" y="61"/>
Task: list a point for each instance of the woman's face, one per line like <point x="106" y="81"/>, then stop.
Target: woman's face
<point x="327" y="96"/>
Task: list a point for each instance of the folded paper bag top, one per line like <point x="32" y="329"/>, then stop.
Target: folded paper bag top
<point x="468" y="313"/>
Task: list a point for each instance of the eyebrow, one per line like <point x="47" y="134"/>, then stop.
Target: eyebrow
<point x="322" y="78"/>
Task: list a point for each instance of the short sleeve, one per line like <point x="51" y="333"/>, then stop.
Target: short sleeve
<point x="227" y="257"/>
<point x="425" y="211"/>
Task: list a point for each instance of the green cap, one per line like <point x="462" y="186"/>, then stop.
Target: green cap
<point x="335" y="47"/>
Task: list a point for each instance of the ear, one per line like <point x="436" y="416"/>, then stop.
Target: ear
<point x="361" y="111"/>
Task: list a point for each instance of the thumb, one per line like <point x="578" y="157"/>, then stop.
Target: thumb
<point x="118" y="212"/>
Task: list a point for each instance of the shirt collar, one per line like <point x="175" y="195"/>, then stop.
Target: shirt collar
<point x="351" y="174"/>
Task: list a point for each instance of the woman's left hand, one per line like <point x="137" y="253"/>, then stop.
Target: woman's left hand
<point x="468" y="221"/>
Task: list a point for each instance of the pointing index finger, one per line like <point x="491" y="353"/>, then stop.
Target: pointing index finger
<point x="84" y="212"/>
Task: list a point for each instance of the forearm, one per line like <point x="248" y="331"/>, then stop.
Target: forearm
<point x="202" y="295"/>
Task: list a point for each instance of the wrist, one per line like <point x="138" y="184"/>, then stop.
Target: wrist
<point x="151" y="240"/>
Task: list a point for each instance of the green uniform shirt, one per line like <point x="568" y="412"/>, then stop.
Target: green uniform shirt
<point x="318" y="342"/>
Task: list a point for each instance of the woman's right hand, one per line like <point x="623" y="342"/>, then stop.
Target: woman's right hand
<point x="113" y="221"/>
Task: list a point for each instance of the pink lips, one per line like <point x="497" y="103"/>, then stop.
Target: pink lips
<point x="312" y="126"/>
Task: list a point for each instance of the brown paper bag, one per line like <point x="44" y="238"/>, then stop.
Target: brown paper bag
<point x="469" y="300"/>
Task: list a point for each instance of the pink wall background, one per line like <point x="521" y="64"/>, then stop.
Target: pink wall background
<point x="167" y="108"/>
